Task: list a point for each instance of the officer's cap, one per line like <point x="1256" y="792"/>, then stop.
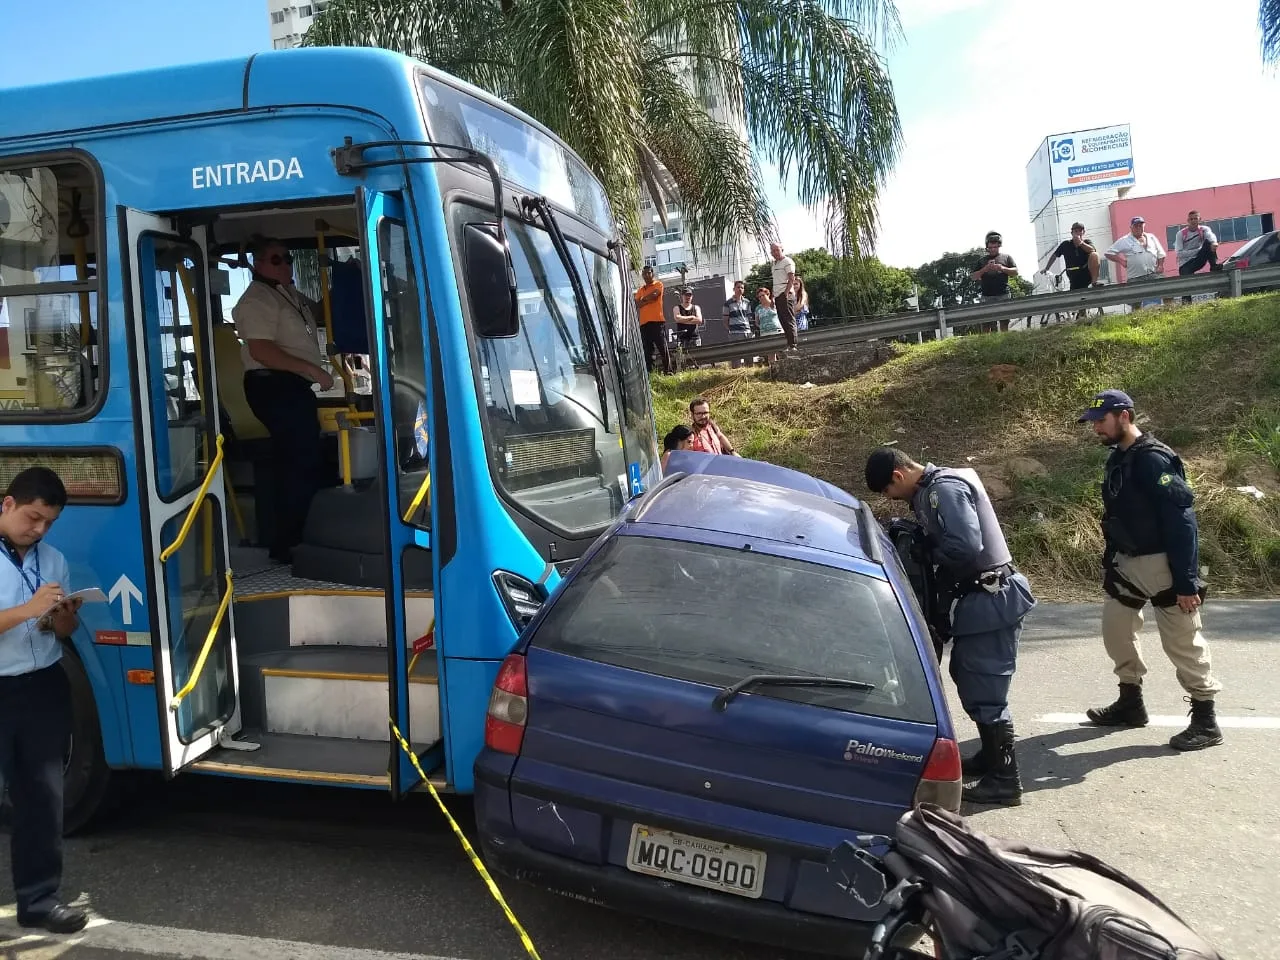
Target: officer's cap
<point x="1108" y="401"/>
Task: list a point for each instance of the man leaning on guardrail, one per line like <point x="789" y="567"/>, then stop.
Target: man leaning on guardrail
<point x="1139" y="253"/>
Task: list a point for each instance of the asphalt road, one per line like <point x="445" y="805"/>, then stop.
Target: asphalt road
<point x="211" y="869"/>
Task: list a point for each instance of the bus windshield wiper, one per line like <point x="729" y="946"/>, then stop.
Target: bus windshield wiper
<point x="585" y="317"/>
<point x="784" y="680"/>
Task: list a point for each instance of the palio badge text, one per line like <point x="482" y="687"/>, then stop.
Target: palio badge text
<point x="244" y="172"/>
<point x="870" y="752"/>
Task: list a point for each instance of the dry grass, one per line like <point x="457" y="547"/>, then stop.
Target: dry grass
<point x="1206" y="380"/>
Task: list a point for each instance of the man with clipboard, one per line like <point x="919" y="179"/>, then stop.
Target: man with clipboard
<point x="35" y="698"/>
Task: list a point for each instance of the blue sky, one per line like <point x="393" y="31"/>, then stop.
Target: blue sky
<point x="979" y="84"/>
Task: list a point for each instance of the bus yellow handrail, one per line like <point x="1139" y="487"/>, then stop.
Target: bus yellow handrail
<point x="417" y="499"/>
<point x="170" y="550"/>
<point x="214" y="627"/>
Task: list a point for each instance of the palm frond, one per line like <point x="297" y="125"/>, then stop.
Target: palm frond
<point x="466" y="38"/>
<point x="1269" y="26"/>
<point x="721" y="192"/>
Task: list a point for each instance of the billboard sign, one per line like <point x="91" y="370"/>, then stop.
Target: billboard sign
<point x="1091" y="159"/>
<point x="1039" y="181"/>
<point x="1066" y="163"/>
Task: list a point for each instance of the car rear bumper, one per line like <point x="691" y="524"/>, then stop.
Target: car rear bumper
<point x="687" y="906"/>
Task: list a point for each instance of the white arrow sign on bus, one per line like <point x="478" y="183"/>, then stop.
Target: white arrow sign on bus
<point x="124" y="590"/>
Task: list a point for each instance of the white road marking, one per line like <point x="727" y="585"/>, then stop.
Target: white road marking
<point x="1244" y="723"/>
<point x="143" y="940"/>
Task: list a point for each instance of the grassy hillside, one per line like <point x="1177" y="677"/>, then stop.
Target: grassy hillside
<point x="1206" y="380"/>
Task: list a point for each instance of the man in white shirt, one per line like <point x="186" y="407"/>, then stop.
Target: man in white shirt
<point x="784" y="288"/>
<point x="1194" y="246"/>
<point x="282" y="360"/>
<point x="1139" y="253"/>
<point x="35" y="697"/>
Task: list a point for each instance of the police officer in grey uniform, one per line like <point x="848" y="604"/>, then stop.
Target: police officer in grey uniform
<point x="963" y="540"/>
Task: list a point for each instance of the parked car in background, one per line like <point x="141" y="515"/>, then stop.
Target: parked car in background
<point x="733" y="679"/>
<point x="1258" y="252"/>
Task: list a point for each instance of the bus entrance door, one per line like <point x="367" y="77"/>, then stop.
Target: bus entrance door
<point x="180" y="480"/>
<point x="399" y="339"/>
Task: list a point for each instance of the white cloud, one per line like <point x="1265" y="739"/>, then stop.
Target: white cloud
<point x="1186" y="77"/>
<point x="915" y="13"/>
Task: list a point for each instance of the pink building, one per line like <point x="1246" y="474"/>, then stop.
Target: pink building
<point x="1235" y="214"/>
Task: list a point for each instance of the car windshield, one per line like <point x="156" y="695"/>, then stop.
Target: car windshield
<point x="715" y="615"/>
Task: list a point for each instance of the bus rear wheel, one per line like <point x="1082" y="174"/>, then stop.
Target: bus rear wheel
<point x="86" y="777"/>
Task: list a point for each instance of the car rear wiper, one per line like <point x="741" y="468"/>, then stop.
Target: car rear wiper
<point x="783" y="680"/>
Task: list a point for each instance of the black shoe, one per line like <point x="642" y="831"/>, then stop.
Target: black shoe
<point x="975" y="766"/>
<point x="1127" y="711"/>
<point x="1203" y="730"/>
<point x="1000" y="784"/>
<point x="61" y="919"/>
<point x="971" y="768"/>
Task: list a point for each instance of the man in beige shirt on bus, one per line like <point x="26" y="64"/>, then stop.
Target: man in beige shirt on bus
<point x="282" y="359"/>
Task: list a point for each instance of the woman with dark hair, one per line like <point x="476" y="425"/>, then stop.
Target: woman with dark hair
<point x="677" y="439"/>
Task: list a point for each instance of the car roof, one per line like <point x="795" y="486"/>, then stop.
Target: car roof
<point x="695" y="461"/>
<point x="753" y="510"/>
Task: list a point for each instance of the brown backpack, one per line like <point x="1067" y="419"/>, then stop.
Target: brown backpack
<point x="992" y="899"/>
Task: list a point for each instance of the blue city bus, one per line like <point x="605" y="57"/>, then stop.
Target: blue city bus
<point x="490" y="414"/>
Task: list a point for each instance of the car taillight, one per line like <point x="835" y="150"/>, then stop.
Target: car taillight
<point x="1241" y="264"/>
<point x="941" y="781"/>
<point x="508" y="707"/>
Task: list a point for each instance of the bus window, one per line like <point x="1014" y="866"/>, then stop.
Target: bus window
<point x="49" y="255"/>
<point x="604" y="278"/>
<point x="406" y="373"/>
<point x="552" y="446"/>
<point x="176" y="356"/>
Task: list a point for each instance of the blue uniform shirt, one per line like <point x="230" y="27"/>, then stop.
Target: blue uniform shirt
<point x="26" y="648"/>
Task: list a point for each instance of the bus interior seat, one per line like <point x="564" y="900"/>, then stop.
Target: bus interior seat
<point x="248" y="444"/>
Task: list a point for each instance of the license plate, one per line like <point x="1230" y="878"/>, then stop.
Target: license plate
<point x="693" y="860"/>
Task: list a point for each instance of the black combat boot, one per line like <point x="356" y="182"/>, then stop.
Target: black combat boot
<point x="1203" y="730"/>
<point x="975" y="766"/>
<point x="1001" y="783"/>
<point x="1127" y="711"/>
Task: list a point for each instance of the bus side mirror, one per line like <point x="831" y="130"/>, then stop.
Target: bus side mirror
<point x="489" y="273"/>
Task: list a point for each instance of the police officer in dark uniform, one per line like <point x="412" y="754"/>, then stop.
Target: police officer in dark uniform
<point x="963" y="540"/>
<point x="1152" y="556"/>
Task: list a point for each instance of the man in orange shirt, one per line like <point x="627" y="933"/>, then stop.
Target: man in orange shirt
<point x="653" y="325"/>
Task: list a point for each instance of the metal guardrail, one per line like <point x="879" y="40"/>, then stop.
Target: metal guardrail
<point x="1226" y="283"/>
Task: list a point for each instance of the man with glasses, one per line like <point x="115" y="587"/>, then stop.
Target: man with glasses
<point x="282" y="359"/>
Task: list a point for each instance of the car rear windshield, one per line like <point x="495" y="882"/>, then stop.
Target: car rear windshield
<point x="714" y="615"/>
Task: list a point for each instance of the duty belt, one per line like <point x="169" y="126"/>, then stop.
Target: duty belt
<point x="992" y="580"/>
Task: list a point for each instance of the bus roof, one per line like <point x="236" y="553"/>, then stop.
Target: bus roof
<point x="306" y="76"/>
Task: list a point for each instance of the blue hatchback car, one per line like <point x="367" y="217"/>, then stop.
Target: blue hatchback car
<point x="733" y="679"/>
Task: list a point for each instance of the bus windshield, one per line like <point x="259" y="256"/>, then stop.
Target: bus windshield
<point x="552" y="447"/>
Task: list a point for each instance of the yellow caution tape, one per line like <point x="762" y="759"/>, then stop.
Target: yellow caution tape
<point x="466" y="846"/>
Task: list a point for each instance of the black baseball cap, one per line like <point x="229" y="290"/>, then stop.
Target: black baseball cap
<point x="1108" y="401"/>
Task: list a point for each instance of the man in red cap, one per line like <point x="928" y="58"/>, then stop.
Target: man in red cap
<point x="1152" y="556"/>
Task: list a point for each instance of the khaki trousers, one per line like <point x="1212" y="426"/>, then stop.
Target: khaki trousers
<point x="1184" y="644"/>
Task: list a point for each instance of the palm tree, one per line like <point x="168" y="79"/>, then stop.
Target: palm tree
<point x="626" y="84"/>
<point x="1269" y="24"/>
